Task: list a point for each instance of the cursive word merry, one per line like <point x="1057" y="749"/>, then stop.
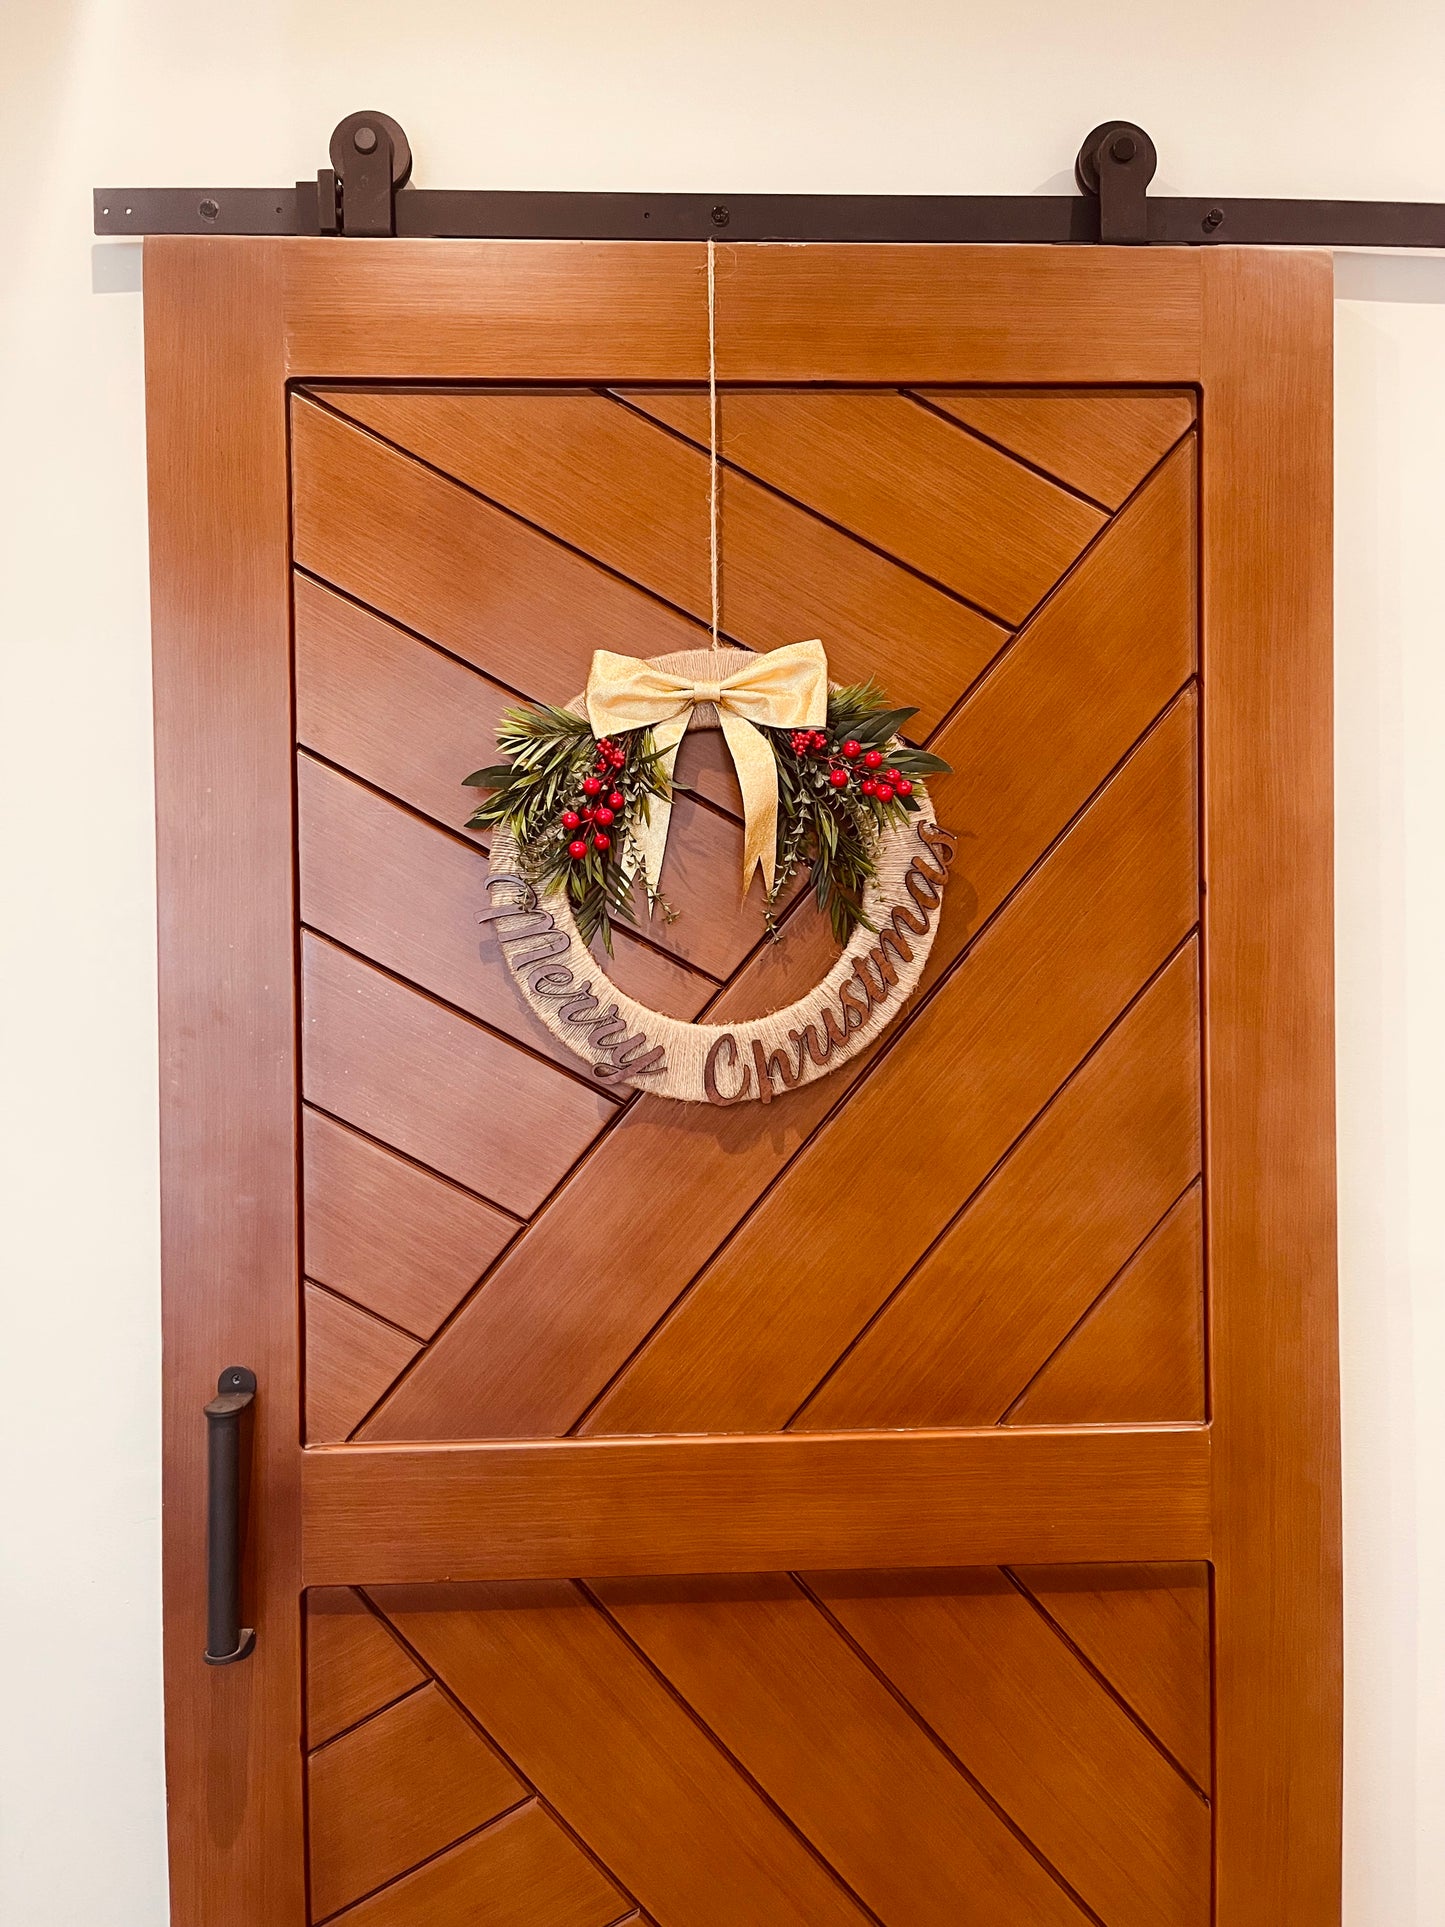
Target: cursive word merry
<point x="516" y="921"/>
<point x="875" y="974"/>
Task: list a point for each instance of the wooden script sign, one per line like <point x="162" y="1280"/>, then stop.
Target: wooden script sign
<point x="787" y="1048"/>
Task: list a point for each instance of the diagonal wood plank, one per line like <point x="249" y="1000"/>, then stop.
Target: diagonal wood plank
<point x="611" y="1750"/>
<point x="387" y="1234"/>
<point x="877" y="463"/>
<point x="394" y="710"/>
<point x="521" y="1871"/>
<point x="768" y="1673"/>
<point x="809" y="1268"/>
<point x="550" y="1328"/>
<point x="437" y="1086"/>
<point x="351" y="1358"/>
<point x="1103" y="441"/>
<point x="1012" y="1275"/>
<point x="571" y="462"/>
<point x="622" y="490"/>
<point x="1053" y="1748"/>
<point x="1139" y="1352"/>
<point x="469" y="576"/>
<point x="413" y="721"/>
<point x="1146" y="1628"/>
<point x="392" y="1792"/>
<point x="384" y="883"/>
<point x="353" y="1664"/>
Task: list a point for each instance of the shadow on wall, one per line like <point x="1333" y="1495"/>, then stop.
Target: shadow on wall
<point x="115" y="268"/>
<point x="1390" y="277"/>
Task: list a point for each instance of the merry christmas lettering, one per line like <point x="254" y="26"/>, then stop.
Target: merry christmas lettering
<point x="858" y="997"/>
<point x="602" y="1028"/>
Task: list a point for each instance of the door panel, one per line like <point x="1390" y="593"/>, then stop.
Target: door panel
<point x="912" y="1502"/>
<point x="912" y="1747"/>
<point x="1051" y="750"/>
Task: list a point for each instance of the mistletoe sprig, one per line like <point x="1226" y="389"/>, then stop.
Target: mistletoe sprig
<point x="572" y="800"/>
<point x="837" y="789"/>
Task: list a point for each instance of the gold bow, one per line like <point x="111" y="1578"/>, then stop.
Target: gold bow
<point x="780" y="689"/>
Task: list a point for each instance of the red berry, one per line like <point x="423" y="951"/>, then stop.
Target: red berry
<point x="893" y="777"/>
<point x="589" y="814"/>
<point x="577" y="850"/>
<point x="617" y="758"/>
<point x="903" y="786"/>
<point x="838" y="778"/>
<point x="604" y="817"/>
<point x="817" y="739"/>
<point x="590" y="786"/>
<point x="616" y="800"/>
<point x="602" y="840"/>
<point x="852" y="747"/>
<point x="885" y="792"/>
<point x="873" y="759"/>
<point x="570" y="819"/>
<point x="868" y="786"/>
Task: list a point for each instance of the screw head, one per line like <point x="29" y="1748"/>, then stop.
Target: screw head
<point x="1213" y="219"/>
<point x="364" y="140"/>
<point x="720" y="217"/>
<point x="208" y="210"/>
<point x="1124" y="148"/>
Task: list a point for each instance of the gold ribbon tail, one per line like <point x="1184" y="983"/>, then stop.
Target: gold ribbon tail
<point x="757" y="771"/>
<point x="650" y="838"/>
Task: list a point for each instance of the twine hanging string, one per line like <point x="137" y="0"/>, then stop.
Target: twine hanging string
<point x="712" y="501"/>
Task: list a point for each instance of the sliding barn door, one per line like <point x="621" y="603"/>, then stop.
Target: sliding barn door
<point x="910" y="1502"/>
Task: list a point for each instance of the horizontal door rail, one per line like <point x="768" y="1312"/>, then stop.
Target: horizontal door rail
<point x="365" y="191"/>
<point x="565" y="1508"/>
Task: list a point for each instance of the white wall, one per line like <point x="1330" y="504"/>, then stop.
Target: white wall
<point x="1309" y="97"/>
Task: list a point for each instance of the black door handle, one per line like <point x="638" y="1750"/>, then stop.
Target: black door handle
<point x="228" y="1438"/>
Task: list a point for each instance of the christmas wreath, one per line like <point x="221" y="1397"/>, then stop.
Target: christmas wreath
<point x="579" y="813"/>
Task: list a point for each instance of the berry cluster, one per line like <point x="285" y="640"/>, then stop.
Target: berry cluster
<point x="849" y="761"/>
<point x="596" y="815"/>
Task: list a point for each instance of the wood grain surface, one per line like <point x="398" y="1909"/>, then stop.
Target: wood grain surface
<point x="1100" y="442"/>
<point x="354" y="1667"/>
<point x="384" y="1515"/>
<point x="1269" y="1135"/>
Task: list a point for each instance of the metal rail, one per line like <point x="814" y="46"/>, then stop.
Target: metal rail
<point x="365" y="191"/>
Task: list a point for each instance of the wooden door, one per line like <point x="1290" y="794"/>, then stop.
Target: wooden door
<point x="915" y="1501"/>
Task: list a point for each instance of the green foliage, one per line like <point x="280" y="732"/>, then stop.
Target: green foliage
<point x="552" y="752"/>
<point x="834" y="832"/>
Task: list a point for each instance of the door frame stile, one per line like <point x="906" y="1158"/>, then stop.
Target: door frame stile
<point x="220" y="622"/>
<point x="1267" y="588"/>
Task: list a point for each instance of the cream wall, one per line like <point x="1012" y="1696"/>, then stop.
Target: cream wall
<point x="1326" y="98"/>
